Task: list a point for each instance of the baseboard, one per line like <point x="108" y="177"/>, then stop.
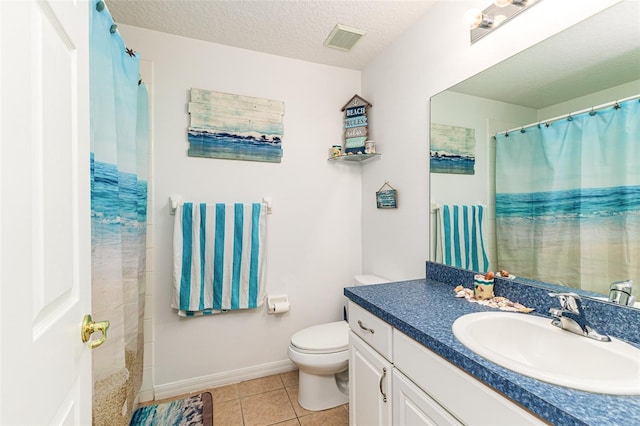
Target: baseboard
<point x="144" y="396"/>
<point x="195" y="384"/>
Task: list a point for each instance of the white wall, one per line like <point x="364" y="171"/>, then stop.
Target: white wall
<point x="433" y="55"/>
<point x="314" y="233"/>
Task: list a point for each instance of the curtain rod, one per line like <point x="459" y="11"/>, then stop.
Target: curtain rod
<point x="560" y="117"/>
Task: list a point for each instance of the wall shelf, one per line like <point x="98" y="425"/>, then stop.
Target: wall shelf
<point x="355" y="158"/>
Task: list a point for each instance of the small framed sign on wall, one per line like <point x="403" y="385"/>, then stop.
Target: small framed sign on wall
<point x="387" y="197"/>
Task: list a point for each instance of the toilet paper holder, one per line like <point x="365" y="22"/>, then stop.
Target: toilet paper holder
<point x="278" y="304"/>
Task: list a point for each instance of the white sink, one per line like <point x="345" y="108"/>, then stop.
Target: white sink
<point x="530" y="345"/>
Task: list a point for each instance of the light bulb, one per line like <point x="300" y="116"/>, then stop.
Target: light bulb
<point x="473" y="18"/>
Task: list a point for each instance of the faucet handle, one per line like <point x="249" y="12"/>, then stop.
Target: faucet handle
<point x="568" y="301"/>
<point x="571" y="317"/>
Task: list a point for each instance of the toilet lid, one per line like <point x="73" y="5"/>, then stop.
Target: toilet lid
<point x="330" y="337"/>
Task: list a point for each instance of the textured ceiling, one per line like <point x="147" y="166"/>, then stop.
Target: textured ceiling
<point x="601" y="52"/>
<point x="290" y="28"/>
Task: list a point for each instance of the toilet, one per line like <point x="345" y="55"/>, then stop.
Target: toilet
<point x="321" y="353"/>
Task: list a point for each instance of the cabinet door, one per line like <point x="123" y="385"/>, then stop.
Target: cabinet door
<point x="369" y="385"/>
<point x="413" y="407"/>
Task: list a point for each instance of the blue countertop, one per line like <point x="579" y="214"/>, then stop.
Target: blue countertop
<point x="425" y="310"/>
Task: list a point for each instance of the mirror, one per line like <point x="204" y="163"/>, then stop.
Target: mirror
<point x="589" y="64"/>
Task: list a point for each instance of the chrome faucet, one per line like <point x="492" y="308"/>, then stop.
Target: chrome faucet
<point x="570" y="317"/>
<point x="620" y="292"/>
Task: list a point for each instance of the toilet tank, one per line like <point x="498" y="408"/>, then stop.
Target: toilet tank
<point x="368" y="279"/>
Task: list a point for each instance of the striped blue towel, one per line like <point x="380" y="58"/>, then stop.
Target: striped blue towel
<point x="218" y="257"/>
<point x="461" y="237"/>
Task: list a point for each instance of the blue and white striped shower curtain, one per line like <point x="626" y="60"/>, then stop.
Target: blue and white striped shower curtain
<point x="568" y="199"/>
<point x="218" y="252"/>
<point x="119" y="147"/>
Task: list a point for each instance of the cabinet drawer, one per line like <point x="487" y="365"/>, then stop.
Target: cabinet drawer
<point x="371" y="329"/>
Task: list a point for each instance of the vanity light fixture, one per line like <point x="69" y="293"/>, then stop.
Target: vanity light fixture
<point x="483" y="22"/>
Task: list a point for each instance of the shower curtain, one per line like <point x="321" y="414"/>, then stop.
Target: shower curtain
<point x="568" y="199"/>
<point x="119" y="147"/>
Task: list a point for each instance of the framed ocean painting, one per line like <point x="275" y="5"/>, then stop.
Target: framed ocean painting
<point x="235" y="127"/>
<point x="452" y="149"/>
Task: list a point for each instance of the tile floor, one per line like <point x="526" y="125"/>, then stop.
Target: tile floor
<point x="271" y="400"/>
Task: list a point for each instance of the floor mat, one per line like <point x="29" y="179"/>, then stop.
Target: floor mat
<point x="196" y="410"/>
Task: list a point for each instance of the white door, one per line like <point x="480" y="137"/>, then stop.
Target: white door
<point x="45" y="252"/>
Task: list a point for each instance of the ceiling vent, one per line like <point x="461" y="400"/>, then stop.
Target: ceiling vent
<point x="343" y="37"/>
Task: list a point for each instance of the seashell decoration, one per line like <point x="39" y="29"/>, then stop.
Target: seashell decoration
<point x="496" y="302"/>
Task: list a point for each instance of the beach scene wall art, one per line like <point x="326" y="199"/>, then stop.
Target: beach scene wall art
<point x="452" y="149"/>
<point x="235" y="127"/>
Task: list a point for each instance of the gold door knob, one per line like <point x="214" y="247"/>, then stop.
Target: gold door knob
<point x="89" y="327"/>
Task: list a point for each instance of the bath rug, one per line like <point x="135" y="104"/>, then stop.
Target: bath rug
<point x="196" y="410"/>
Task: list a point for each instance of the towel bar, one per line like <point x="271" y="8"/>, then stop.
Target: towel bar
<point x="176" y="200"/>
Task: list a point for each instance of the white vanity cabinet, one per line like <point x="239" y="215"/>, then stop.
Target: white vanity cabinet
<point x="395" y="380"/>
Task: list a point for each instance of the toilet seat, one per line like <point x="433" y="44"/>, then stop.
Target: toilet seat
<point x="322" y="339"/>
